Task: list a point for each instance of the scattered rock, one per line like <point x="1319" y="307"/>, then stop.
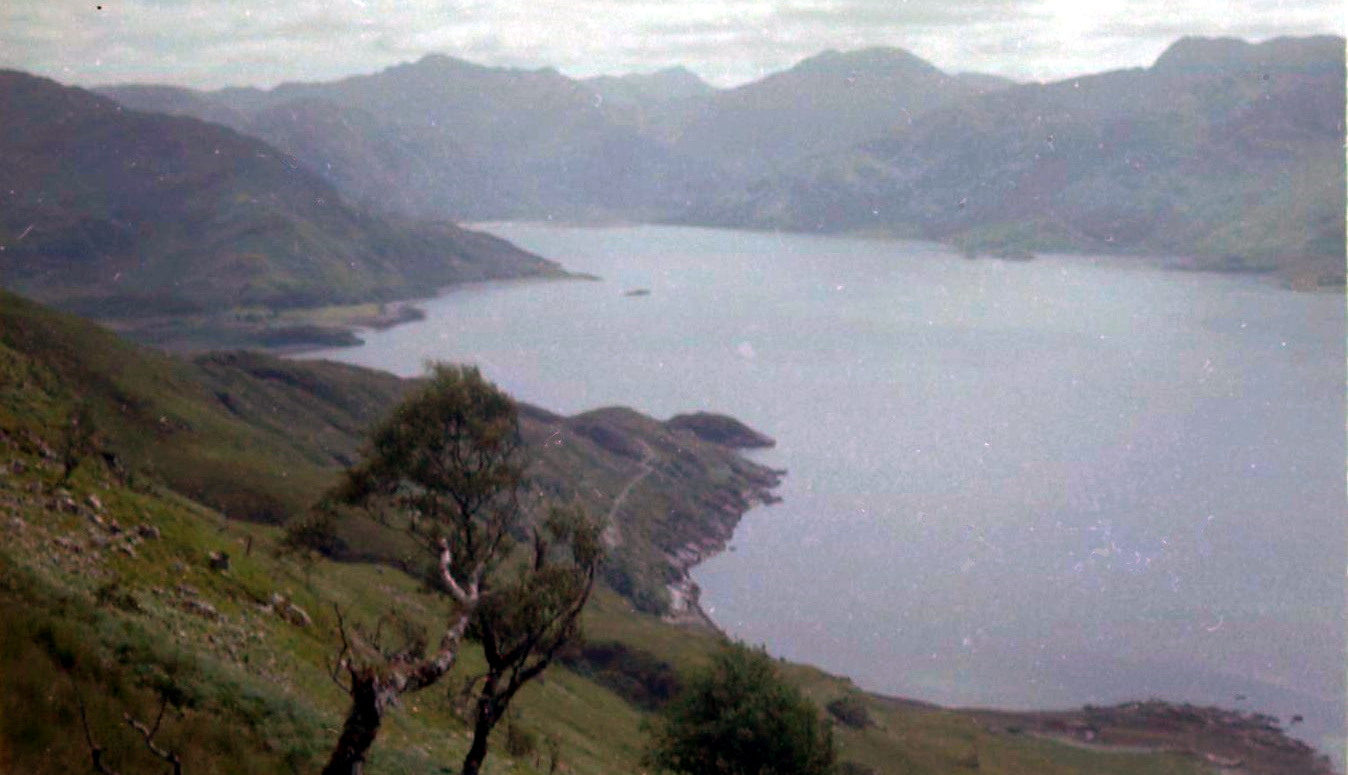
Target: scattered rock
<point x="67" y="544"/>
<point x="288" y="611"/>
<point x="219" y="561"/>
<point x="294" y="614"/>
<point x="16" y="524"/>
<point x="127" y="549"/>
<point x="41" y="446"/>
<point x="201" y="608"/>
<point x="187" y="590"/>
<point x="94" y="502"/>
<point x="148" y="532"/>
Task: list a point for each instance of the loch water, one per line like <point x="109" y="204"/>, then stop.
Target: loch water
<point x="1018" y="484"/>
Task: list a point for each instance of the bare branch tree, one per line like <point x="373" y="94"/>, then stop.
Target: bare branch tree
<point x="447" y="463"/>
<point x="524" y="624"/>
<point x="147" y="734"/>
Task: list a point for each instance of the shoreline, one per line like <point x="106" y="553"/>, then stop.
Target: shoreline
<point x="685" y="604"/>
<point x="1295" y="279"/>
<point x="1241" y="742"/>
<point x="1226" y="741"/>
<point x="293" y="331"/>
<point x="401" y="312"/>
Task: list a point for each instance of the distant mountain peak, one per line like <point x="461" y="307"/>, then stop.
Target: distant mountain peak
<point x="1193" y="51"/>
<point x="436" y="61"/>
<point x="1196" y="55"/>
<point x="876" y="59"/>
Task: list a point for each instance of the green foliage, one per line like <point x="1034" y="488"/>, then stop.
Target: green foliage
<point x="741" y="718"/>
<point x="622" y="575"/>
<point x="448" y="462"/>
<point x="850" y="712"/>
<point x="523" y="624"/>
<point x="316" y="534"/>
<point x="632" y="673"/>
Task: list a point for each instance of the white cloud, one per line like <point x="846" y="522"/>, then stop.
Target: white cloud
<point x="210" y="43"/>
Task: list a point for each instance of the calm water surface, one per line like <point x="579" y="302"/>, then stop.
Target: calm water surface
<point x="1014" y="484"/>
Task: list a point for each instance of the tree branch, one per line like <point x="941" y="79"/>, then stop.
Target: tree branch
<point x="148" y="733"/>
<point x="95" y="750"/>
<point x="456" y="591"/>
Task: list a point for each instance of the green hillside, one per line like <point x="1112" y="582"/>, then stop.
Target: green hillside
<point x="116" y="213"/>
<point x="109" y="599"/>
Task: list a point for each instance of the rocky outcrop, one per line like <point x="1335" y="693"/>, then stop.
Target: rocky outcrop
<point x="720" y="429"/>
<point x="684" y="594"/>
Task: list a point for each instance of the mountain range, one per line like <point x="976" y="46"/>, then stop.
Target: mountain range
<point x="1222" y="154"/>
<point x="1222" y="151"/>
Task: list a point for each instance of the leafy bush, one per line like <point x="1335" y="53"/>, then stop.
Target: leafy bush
<point x="740" y="718"/>
<point x="850" y="712"/>
<point x="634" y="674"/>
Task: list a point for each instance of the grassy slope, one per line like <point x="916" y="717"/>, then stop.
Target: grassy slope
<point x="257" y="695"/>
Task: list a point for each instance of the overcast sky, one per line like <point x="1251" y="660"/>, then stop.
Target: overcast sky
<point x="212" y="43"/>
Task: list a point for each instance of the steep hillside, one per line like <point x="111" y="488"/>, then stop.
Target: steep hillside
<point x="117" y="213"/>
<point x="1225" y="153"/>
<point x="259" y="438"/>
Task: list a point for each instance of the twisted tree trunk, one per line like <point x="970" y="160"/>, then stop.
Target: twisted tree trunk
<point x="487" y="709"/>
<point x="375" y="688"/>
<point x="370" y="698"/>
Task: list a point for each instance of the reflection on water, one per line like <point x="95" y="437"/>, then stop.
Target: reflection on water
<point x="1033" y="484"/>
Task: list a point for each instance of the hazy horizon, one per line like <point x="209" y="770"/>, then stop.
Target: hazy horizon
<point x="189" y="43"/>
